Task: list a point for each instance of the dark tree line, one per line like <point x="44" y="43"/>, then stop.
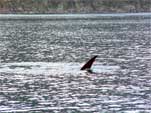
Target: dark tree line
<point x="74" y="6"/>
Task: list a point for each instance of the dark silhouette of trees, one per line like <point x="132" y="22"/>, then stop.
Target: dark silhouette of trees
<point x="74" y="6"/>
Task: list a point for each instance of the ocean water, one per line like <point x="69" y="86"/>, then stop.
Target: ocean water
<point x="41" y="57"/>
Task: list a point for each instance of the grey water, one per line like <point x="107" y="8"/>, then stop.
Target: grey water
<point x="41" y="56"/>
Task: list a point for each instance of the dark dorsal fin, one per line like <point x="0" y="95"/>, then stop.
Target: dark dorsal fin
<point x="89" y="63"/>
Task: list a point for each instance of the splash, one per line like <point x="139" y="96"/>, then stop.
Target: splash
<point x="51" y="68"/>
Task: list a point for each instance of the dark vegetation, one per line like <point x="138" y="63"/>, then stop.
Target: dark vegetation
<point x="74" y="6"/>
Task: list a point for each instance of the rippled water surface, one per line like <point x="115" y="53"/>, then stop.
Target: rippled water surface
<point x="41" y="59"/>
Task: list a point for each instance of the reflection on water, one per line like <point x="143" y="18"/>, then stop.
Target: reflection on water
<point x="40" y="62"/>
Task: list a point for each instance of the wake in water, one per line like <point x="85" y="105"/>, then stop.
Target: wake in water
<point x="52" y="68"/>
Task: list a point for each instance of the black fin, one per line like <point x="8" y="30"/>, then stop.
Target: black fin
<point x="89" y="63"/>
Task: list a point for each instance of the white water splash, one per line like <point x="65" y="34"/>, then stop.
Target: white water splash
<point x="51" y="68"/>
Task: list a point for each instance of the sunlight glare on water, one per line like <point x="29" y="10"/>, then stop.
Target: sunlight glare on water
<point x="41" y="57"/>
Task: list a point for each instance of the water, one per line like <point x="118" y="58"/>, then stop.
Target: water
<point x="41" y="58"/>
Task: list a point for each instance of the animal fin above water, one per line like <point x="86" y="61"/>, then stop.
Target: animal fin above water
<point x="88" y="64"/>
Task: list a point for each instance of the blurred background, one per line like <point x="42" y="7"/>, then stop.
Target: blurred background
<point x="74" y="6"/>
